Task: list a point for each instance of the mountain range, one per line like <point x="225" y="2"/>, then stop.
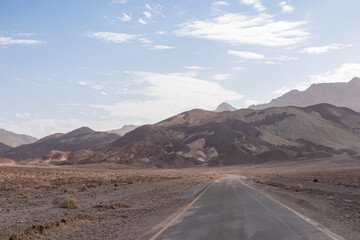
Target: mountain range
<point x="13" y="139"/>
<point x="200" y="137"/>
<point x="297" y="129"/>
<point x="337" y="94"/>
<point x="82" y="138"/>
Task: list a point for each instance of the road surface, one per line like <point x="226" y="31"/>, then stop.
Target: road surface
<point x="229" y="209"/>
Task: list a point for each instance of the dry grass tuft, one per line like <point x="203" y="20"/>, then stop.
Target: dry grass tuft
<point x="288" y="187"/>
<point x="69" y="203"/>
<point x="24" y="196"/>
<point x="299" y="187"/>
<point x="262" y="181"/>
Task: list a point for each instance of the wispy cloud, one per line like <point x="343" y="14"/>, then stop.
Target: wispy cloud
<point x="97" y="87"/>
<point x="147" y="14"/>
<point x="93" y="85"/>
<point x="142" y="21"/>
<point x="246" y="55"/>
<point x="255" y="3"/>
<point x="83" y="83"/>
<point x="117" y="2"/>
<point x="344" y="73"/>
<point x="195" y="68"/>
<point x="256" y="56"/>
<point x="144" y="40"/>
<point x="125" y="17"/>
<point x="154" y="8"/>
<point x="169" y="94"/>
<point x="219" y="3"/>
<point x="286" y="8"/>
<point x="160" y="47"/>
<point x="6" y="41"/>
<point x="23" y="115"/>
<point x="221" y="76"/>
<point x="112" y="37"/>
<point x="241" y="29"/>
<point x="282" y="58"/>
<point x="217" y="6"/>
<point x="324" y="49"/>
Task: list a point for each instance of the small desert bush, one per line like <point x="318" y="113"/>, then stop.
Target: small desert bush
<point x="69" y="203"/>
<point x="299" y="187"/>
<point x="262" y="181"/>
<point x="24" y="196"/>
<point x="288" y="187"/>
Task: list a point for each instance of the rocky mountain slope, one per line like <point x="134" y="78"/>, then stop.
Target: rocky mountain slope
<point x="82" y="138"/>
<point x="4" y="148"/>
<point x="14" y="140"/>
<point x="337" y="94"/>
<point x="223" y="107"/>
<point x="201" y="137"/>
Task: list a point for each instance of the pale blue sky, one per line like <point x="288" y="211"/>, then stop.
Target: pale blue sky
<point x="66" y="64"/>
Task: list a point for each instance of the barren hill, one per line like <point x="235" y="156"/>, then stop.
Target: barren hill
<point x="4" y="148"/>
<point x="78" y="139"/>
<point x="13" y="139"/>
<point x="201" y="137"/>
<point x="337" y="94"/>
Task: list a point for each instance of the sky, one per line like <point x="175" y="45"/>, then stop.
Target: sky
<point x="105" y="63"/>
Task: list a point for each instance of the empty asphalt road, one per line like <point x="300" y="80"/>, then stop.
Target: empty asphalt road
<point x="229" y="209"/>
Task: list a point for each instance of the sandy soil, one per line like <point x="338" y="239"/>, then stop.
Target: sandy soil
<point x="111" y="204"/>
<point x="125" y="204"/>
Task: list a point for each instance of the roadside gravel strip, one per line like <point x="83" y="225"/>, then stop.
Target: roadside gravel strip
<point x="108" y="208"/>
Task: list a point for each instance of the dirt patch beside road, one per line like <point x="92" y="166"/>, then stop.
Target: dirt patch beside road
<point x="111" y="204"/>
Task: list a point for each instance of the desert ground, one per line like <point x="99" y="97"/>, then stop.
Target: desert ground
<point x="116" y="202"/>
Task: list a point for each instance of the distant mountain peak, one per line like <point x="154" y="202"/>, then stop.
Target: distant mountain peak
<point x="125" y="129"/>
<point x="223" y="107"/>
<point x="84" y="130"/>
<point x="81" y="131"/>
<point x="355" y="80"/>
<point x="341" y="94"/>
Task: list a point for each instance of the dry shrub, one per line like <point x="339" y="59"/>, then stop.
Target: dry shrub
<point x="299" y="187"/>
<point x="69" y="203"/>
<point x="262" y="181"/>
<point x="24" y="196"/>
<point x="288" y="187"/>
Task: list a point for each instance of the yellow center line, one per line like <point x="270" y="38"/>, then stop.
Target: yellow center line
<point x="181" y="213"/>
